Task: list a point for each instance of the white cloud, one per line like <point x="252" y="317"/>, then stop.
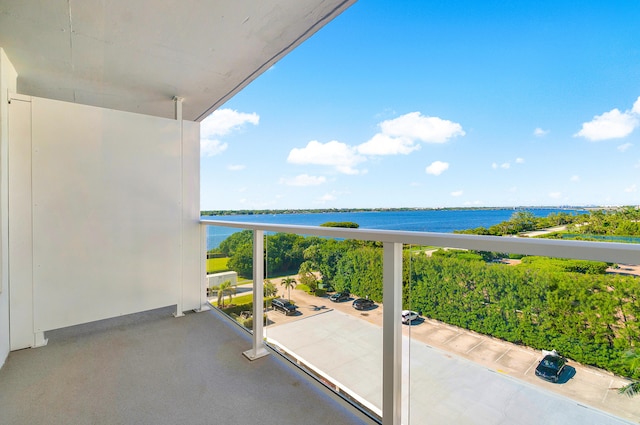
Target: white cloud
<point x="494" y="166"/>
<point x="611" y="125"/>
<point x="334" y="154"/>
<point x="457" y="193"/>
<point x="437" y="167"/>
<point x="538" y="132"/>
<point x="383" y="144"/>
<point x="427" y="129"/>
<point x="505" y="165"/>
<point x="624" y="147"/>
<point x="519" y="160"/>
<point x="575" y="178"/>
<point x="222" y="121"/>
<point x="237" y="167"/>
<point x="212" y="147"/>
<point x="401" y="135"/>
<point x="555" y="195"/>
<point x="632" y="188"/>
<point x="304" y="180"/>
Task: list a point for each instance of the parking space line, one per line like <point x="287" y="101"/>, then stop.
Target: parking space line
<point x="503" y="354"/>
<point x="532" y="364"/>
<point x="452" y="338"/>
<point x="607" y="391"/>
<point x="470" y="349"/>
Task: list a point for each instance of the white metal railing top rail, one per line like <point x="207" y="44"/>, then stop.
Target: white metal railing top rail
<point x="613" y="252"/>
<point x="392" y="279"/>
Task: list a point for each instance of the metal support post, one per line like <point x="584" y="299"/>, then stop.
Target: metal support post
<point x="392" y="334"/>
<point x="178" y="107"/>
<point x="204" y="284"/>
<point x="258" y="350"/>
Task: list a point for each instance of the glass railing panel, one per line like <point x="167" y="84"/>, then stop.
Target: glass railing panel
<point x="527" y="338"/>
<point x="484" y="319"/>
<point x="229" y="267"/>
<point x="326" y="315"/>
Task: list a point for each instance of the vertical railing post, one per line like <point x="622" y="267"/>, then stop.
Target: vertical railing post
<point x="258" y="350"/>
<point x="204" y="282"/>
<point x="392" y="334"/>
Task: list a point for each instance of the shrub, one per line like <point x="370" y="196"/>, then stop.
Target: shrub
<point x="321" y="292"/>
<point x="236" y="309"/>
<point x="304" y="288"/>
<point x="248" y="322"/>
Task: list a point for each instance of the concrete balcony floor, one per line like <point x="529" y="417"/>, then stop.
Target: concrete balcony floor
<point x="152" y="368"/>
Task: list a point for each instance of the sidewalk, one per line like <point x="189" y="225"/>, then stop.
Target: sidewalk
<point x="586" y="385"/>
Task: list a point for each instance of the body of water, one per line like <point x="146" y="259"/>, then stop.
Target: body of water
<point x="445" y="221"/>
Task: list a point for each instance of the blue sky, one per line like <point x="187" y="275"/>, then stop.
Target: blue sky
<point x="439" y="104"/>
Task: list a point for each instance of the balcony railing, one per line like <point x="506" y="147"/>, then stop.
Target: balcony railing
<point x="392" y="406"/>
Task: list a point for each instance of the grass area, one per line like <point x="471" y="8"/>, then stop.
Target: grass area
<point x="215" y="265"/>
<point x="237" y="299"/>
<point x="242" y="299"/>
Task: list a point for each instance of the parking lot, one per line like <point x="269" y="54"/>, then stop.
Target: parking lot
<point x="579" y="385"/>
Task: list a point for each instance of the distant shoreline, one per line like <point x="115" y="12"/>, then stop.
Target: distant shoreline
<point x="351" y="210"/>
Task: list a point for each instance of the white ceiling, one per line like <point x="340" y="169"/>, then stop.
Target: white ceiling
<point x="136" y="55"/>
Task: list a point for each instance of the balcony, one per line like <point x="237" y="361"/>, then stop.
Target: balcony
<point x="153" y="368"/>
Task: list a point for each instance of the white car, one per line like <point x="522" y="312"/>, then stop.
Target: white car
<point x="408" y="316"/>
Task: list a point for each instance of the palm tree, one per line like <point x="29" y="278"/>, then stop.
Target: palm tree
<point x="633" y="388"/>
<point x="630" y="389"/>
<point x="288" y="283"/>
<point x="225" y="287"/>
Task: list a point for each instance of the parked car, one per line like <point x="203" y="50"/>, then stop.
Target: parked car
<point x="409" y="316"/>
<point x="550" y="367"/>
<point x="363" y="304"/>
<point x="340" y="296"/>
<point x="283" y="306"/>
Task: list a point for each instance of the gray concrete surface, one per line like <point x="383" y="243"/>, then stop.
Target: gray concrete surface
<point x="152" y="368"/>
<point x="452" y="367"/>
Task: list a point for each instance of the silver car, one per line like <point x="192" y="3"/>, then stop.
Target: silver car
<point x="409" y="316"/>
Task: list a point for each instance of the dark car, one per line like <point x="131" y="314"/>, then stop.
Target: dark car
<point x="363" y="304"/>
<point x="340" y="296"/>
<point x="550" y="367"/>
<point x="283" y="306"/>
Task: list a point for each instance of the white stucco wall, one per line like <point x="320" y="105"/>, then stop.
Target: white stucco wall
<point x="111" y="202"/>
<point x="8" y="79"/>
<point x="217" y="278"/>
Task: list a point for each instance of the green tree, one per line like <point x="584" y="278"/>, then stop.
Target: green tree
<point x="345" y="224"/>
<point x="633" y="388"/>
<point x="242" y="260"/>
<point x="360" y="272"/>
<point x="270" y="289"/>
<point x="230" y="244"/>
<point x="307" y="276"/>
<point x="288" y="283"/>
<point x="225" y="288"/>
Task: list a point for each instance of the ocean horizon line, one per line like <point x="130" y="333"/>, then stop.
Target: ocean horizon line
<point x="393" y="209"/>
